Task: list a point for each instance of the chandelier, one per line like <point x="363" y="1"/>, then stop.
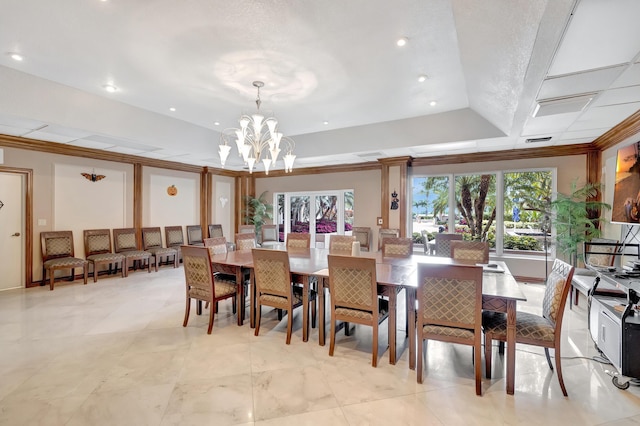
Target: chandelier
<point x="257" y="140"/>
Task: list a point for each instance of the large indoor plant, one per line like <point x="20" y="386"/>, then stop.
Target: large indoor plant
<point x="257" y="211"/>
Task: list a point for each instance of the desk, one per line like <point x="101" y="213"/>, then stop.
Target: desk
<point x="233" y="263"/>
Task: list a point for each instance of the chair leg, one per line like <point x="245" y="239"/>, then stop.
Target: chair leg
<point x="123" y="267"/>
<point x="419" y="354"/>
<point x="347" y="332"/>
<point x="556" y="353"/>
<point x="546" y="352"/>
<point x="488" y="342"/>
<point x="314" y="312"/>
<point x="374" y="355"/>
<point x="95" y="273"/>
<point x="501" y="347"/>
<point x="332" y="337"/>
<point x="73" y="274"/>
<point x="258" y="309"/>
<point x="199" y="307"/>
<point x="289" y="324"/>
<point x="187" y="309"/>
<point x="52" y="274"/>
<point x="234" y="300"/>
<point x="279" y="314"/>
<point x="85" y="271"/>
<point x="478" y="366"/>
<point x="211" y="315"/>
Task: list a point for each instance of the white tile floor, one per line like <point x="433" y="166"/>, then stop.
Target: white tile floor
<point x="115" y="353"/>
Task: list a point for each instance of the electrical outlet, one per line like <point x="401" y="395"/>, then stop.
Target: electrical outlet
<point x="380" y="221"/>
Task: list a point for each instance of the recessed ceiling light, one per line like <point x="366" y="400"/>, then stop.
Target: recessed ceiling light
<point x="110" y="88"/>
<point x="15" y="56"/>
<point x="325" y="122"/>
<point x="402" y="41"/>
<point x="433" y="103"/>
<point x="216" y="123"/>
<point x="172" y="109"/>
<point x="422" y="78"/>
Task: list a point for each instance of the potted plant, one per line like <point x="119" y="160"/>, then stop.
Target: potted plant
<point x="257" y="211"/>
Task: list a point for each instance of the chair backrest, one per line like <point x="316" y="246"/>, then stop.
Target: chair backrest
<point x="197" y="272"/>
<point x="125" y="239"/>
<point x="97" y="241"/>
<point x="397" y="247"/>
<point x="216" y="245"/>
<point x="353" y="283"/>
<point x="600" y="256"/>
<point x="246" y="229"/>
<point x="363" y="236"/>
<point x="215" y="230"/>
<point x="443" y="243"/>
<point x="272" y="273"/>
<point x="151" y="238"/>
<point x="245" y="241"/>
<point x="56" y="244"/>
<point x="386" y="233"/>
<point x="194" y="235"/>
<point x="269" y="233"/>
<point x="341" y="244"/>
<point x="174" y="235"/>
<point x="298" y="240"/>
<point x="555" y="294"/>
<point x="470" y="251"/>
<point x="450" y="296"/>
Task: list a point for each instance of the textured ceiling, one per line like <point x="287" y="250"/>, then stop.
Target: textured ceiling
<point x="488" y="64"/>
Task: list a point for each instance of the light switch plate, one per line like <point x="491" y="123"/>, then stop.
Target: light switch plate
<point x="380" y="221"/>
<point x="42" y="222"/>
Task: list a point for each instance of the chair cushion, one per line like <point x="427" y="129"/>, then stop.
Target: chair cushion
<point x="160" y="251"/>
<point x="135" y="254"/>
<point x="273" y="300"/>
<point x="528" y="326"/>
<point x="106" y="257"/>
<point x="224" y="288"/>
<point x="354" y="313"/>
<point x="228" y="278"/>
<point x="440" y="330"/>
<point x="64" y="262"/>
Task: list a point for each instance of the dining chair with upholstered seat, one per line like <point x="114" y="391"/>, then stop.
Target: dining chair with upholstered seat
<point x="272" y="277"/>
<point x="175" y="239"/>
<point x="216" y="246"/>
<point x="246" y="229"/>
<point x="341" y="244"/>
<point x="194" y="235"/>
<point x="215" y="230"/>
<point x="363" y="236"/>
<point x="470" y="251"/>
<point x="200" y="283"/>
<point x="152" y="242"/>
<point x="298" y="240"/>
<point x="58" y="253"/>
<point x="97" y="250"/>
<point x="354" y="296"/>
<point x="386" y="233"/>
<point x="397" y="247"/>
<point x="598" y="253"/>
<point x="125" y="242"/>
<point x="269" y="236"/>
<point x="531" y="329"/>
<point x="443" y="243"/>
<point x="245" y="241"/>
<point x="450" y="310"/>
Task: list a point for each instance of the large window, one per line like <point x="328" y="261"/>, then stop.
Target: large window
<point x="317" y="213"/>
<point x="508" y="209"/>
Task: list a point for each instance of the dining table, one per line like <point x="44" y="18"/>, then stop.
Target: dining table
<point x="500" y="291"/>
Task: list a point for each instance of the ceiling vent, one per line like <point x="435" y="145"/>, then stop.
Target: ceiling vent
<point x="563" y="105"/>
<point x="537" y="140"/>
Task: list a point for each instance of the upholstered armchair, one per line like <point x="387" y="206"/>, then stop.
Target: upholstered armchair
<point x="125" y="242"/>
<point x="58" y="253"/>
<point x="97" y="250"/>
<point x="152" y="242"/>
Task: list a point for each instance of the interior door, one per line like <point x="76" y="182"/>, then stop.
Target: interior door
<point x="12" y="247"/>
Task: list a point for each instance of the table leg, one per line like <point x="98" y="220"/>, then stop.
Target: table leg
<point x="321" y="319"/>
<point x="240" y="297"/>
<point x="305" y="308"/>
<point x="411" y="325"/>
<point x="393" y="295"/>
<point x="511" y="345"/>
<point x="252" y="300"/>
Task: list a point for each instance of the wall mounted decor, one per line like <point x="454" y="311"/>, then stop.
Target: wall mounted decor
<point x="172" y="191"/>
<point x="394" y="200"/>
<point x="223" y="201"/>
<point x="1" y="204"/>
<point x="93" y="177"/>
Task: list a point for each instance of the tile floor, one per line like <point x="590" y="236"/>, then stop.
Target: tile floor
<point x="115" y="353"/>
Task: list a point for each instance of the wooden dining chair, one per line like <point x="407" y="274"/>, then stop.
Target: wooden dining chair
<point x="272" y="277"/>
<point x="201" y="285"/>
<point x="341" y="244"/>
<point x="219" y="245"/>
<point x="470" y="251"/>
<point x="531" y="329"/>
<point x="397" y="247"/>
<point x="125" y="241"/>
<point x="386" y="233"/>
<point x="298" y="240"/>
<point x="246" y="229"/>
<point x="269" y="236"/>
<point x="152" y="242"/>
<point x="97" y="250"/>
<point x="354" y="296"/>
<point x="215" y="230"/>
<point x="450" y="310"/>
<point x="443" y="243"/>
<point x="245" y="241"/>
<point x="363" y="236"/>
<point x="175" y="239"/>
<point x="194" y="235"/>
<point x="58" y="253"/>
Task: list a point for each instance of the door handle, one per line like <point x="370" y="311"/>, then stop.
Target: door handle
<point x="17" y="234"/>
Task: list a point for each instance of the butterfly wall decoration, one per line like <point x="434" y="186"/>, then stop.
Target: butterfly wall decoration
<point x="93" y="177"/>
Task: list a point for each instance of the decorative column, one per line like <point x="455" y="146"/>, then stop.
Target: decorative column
<point x="137" y="200"/>
<point x="245" y="186"/>
<point x="394" y="193"/>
